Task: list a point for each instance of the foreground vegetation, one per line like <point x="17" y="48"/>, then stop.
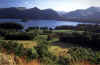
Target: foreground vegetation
<point x="35" y="44"/>
<point x="52" y="55"/>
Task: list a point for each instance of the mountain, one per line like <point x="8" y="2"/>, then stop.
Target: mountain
<point x="61" y="13"/>
<point x="49" y="13"/>
<point x="11" y="12"/>
<point x="33" y="13"/>
<point x="91" y="14"/>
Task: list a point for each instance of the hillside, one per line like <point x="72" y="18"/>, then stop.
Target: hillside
<point x="91" y="14"/>
<point x="32" y="13"/>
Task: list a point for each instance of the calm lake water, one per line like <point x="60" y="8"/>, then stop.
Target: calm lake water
<point x="43" y="23"/>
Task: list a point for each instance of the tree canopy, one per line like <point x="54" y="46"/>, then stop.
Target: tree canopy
<point x="10" y="25"/>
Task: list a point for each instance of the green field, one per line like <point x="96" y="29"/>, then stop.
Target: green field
<point x="66" y="31"/>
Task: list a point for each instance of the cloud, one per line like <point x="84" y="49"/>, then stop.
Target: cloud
<point x="66" y="5"/>
<point x="95" y="2"/>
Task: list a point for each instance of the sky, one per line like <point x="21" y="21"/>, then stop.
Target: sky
<point x="58" y="5"/>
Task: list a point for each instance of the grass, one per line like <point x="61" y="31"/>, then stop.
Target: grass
<point x="27" y="44"/>
<point x="9" y="59"/>
<point x="6" y="59"/>
<point x="62" y="30"/>
<point x="44" y="36"/>
<point x="66" y="31"/>
<point x="53" y="40"/>
<point x="58" y="51"/>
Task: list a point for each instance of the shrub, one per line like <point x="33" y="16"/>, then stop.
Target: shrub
<point x="31" y="54"/>
<point x="97" y="57"/>
<point x="11" y="25"/>
<point x="63" y="60"/>
<point x="52" y="36"/>
<point x="47" y="31"/>
<point x="82" y="54"/>
<point x="20" y="36"/>
<point x="32" y="28"/>
<point x="87" y="39"/>
<point x="42" y="50"/>
<point x="19" y="50"/>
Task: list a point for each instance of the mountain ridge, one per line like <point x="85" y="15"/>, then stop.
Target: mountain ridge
<point x="91" y="14"/>
<point x="32" y="13"/>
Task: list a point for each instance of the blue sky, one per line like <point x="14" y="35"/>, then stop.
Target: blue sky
<point x="60" y="5"/>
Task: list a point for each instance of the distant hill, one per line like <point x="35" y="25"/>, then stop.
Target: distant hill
<point x="61" y="13"/>
<point x="33" y="13"/>
<point x="91" y="14"/>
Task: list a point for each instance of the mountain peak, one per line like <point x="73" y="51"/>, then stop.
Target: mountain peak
<point x="94" y="9"/>
<point x="35" y="8"/>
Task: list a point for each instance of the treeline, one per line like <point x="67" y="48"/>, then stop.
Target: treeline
<point x="81" y="27"/>
<point x="87" y="39"/>
<point x="14" y="31"/>
<point x="11" y="26"/>
<point x="8" y="35"/>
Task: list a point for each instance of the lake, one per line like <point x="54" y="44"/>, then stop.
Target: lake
<point x="43" y="23"/>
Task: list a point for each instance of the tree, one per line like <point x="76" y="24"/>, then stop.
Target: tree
<point x="11" y="26"/>
<point x="24" y="20"/>
<point x="31" y="54"/>
<point x="42" y="49"/>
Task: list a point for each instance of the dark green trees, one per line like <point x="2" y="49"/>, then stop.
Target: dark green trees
<point x="11" y="25"/>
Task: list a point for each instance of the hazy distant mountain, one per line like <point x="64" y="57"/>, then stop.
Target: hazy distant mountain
<point x="91" y="14"/>
<point x="61" y="13"/>
<point x="33" y="13"/>
<point x="49" y="13"/>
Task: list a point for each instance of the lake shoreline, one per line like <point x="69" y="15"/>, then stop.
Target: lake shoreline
<point x="66" y="20"/>
<point x="44" y="23"/>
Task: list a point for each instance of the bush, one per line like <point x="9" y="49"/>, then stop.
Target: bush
<point x="47" y="32"/>
<point x="42" y="49"/>
<point x="11" y="25"/>
<point x="82" y="54"/>
<point x="97" y="57"/>
<point x="20" y="36"/>
<point x="32" y="28"/>
<point x="87" y="39"/>
<point x="63" y="61"/>
<point x="19" y="50"/>
<point x="52" y="36"/>
<point x="31" y="54"/>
